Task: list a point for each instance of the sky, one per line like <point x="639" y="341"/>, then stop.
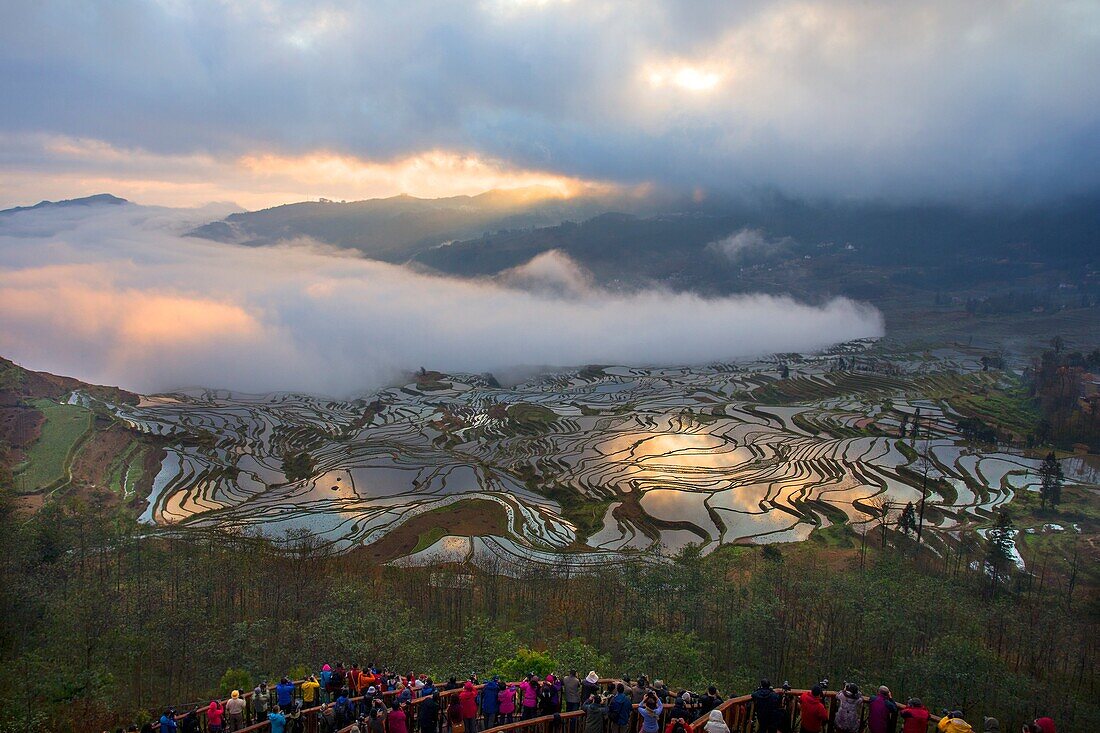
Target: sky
<point x="263" y="102"/>
<point x="117" y="295"/>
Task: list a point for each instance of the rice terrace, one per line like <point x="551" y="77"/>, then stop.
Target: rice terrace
<point x="585" y="467"/>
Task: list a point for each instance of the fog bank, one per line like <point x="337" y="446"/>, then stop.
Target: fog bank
<point x="116" y="295"/>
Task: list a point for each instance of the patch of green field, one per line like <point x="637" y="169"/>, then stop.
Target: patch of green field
<point x="49" y="457"/>
<point x="524" y="412"/>
<point x="429" y="538"/>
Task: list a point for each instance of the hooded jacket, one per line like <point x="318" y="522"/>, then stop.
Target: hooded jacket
<point x="916" y="719"/>
<point x="594" y="717"/>
<point x="813" y="712"/>
<point x="215" y="713"/>
<point x="1045" y="724"/>
<point x="489" y="702"/>
<point x="395" y="722"/>
<point x="284" y="693"/>
<point x="954" y="725"/>
<point x="506" y="700"/>
<point x="261" y="700"/>
<point x="427" y="715"/>
<point x="468" y="700"/>
<point x="766" y="704"/>
<point x="619" y="709"/>
<point x="590" y="685"/>
<point x="715" y="723"/>
<point x="848" y="708"/>
<point x="278" y="722"/>
<point x="530" y="693"/>
<point x="167" y="724"/>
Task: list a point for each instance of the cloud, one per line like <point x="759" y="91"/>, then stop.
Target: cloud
<point x="40" y="165"/>
<point x="117" y="295"/>
<point x="750" y="245"/>
<point x="918" y="99"/>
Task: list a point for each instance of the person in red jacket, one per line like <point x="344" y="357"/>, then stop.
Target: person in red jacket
<point x="1041" y="725"/>
<point x="915" y="716"/>
<point x="813" y="713"/>
<point x="468" y="700"/>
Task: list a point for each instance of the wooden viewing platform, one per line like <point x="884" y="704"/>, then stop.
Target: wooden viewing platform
<point x="736" y="711"/>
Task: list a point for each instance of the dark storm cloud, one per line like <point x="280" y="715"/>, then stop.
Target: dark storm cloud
<point x="911" y="99"/>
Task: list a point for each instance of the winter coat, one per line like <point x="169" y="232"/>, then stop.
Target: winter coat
<point x="813" y="712"/>
<point x="284" y="693"/>
<point x="572" y="687"/>
<point x="594" y="717"/>
<point x="650" y="718"/>
<point x="530" y="693"/>
<point x="261" y="701"/>
<point x="1045" y="724"/>
<point x="309" y="690"/>
<point x="506" y="700"/>
<point x="427" y="715"/>
<point x="767" y="706"/>
<point x="589" y="688"/>
<point x="715" y="723"/>
<point x="395" y="722"/>
<point x="619" y="709"/>
<point x="708" y="702"/>
<point x="278" y="722"/>
<point x="916" y="719"/>
<point x="468" y="700"/>
<point x="847" y="712"/>
<point x="879" y="711"/>
<point x="167" y="724"/>
<point x="326" y="675"/>
<point x="215" y="713"/>
<point x="637" y="694"/>
<point x="555" y="691"/>
<point x="489" y="702"/>
<point x="954" y="725"/>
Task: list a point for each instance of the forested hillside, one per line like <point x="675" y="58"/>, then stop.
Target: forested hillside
<point x="106" y="621"/>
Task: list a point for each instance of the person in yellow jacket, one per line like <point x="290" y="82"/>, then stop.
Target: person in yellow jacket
<point x="953" y="723"/>
<point x="310" y="692"/>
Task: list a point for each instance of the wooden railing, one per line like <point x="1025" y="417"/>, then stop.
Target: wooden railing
<point x="737" y="712"/>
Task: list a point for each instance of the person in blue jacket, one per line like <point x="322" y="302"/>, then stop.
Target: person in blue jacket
<point x="490" y="704"/>
<point x="277" y="720"/>
<point x="284" y="693"/>
<point x="168" y="721"/>
<point x="619" y="709"/>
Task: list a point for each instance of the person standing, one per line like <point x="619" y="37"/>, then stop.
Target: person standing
<point x="261" y="701"/>
<point x="915" y="716"/>
<point x="507" y="704"/>
<point x="530" y="689"/>
<point x="849" y="706"/>
<point x="234" y="712"/>
<point x="571" y="687"/>
<point x="215" y="715"/>
<point x="284" y="694"/>
<point x="595" y="714"/>
<point x="619" y="709"/>
<point x="468" y="700"/>
<point x="812" y="712"/>
<point x="490" y="701"/>
<point x="881" y="709"/>
<point x="168" y="721"/>
<point x="768" y="707"/>
<point x="715" y="723"/>
<point x="311" y="690"/>
<point x="709" y="701"/>
<point x="650" y="710"/>
<point x="590" y="685"/>
<point x="427" y="714"/>
<point x="277" y="720"/>
<point x="396" y="720"/>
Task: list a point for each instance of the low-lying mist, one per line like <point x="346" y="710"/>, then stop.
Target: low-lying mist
<point x="116" y="295"/>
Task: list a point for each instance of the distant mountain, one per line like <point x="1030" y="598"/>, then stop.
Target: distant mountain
<point x="807" y="249"/>
<point x="394" y="229"/>
<point x="99" y="199"/>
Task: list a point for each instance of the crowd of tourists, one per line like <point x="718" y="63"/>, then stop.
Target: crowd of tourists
<point x="377" y="700"/>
